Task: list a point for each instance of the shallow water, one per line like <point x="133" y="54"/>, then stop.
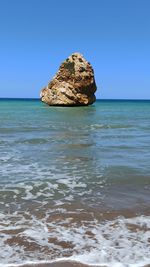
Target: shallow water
<point x="75" y="182"/>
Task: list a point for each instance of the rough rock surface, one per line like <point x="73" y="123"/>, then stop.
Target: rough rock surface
<point x="73" y="84"/>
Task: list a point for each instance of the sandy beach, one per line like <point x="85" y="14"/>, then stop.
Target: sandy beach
<point x="57" y="264"/>
<point x="64" y="264"/>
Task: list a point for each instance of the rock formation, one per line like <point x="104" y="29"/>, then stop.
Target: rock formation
<point x="73" y="84"/>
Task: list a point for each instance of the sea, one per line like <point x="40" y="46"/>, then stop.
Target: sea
<point x="75" y="183"/>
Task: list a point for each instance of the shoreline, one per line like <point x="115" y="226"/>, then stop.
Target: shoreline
<point x="61" y="263"/>
<point x="68" y="263"/>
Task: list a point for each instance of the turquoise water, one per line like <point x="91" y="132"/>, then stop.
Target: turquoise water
<point x="72" y="180"/>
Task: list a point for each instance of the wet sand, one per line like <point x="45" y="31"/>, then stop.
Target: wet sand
<point x="57" y="264"/>
<point x="63" y="264"/>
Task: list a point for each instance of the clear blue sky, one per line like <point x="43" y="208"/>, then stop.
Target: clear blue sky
<point x="37" y="35"/>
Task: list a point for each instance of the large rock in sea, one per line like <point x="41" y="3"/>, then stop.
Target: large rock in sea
<point x="73" y="84"/>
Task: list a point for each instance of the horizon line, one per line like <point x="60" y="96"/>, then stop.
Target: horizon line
<point x="99" y="99"/>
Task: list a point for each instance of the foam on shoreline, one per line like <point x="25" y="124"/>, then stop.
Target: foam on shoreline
<point x="120" y="242"/>
<point x="72" y="262"/>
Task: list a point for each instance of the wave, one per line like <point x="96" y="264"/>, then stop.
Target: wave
<point x="120" y="242"/>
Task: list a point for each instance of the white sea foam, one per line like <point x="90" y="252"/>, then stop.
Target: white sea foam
<point x="121" y="242"/>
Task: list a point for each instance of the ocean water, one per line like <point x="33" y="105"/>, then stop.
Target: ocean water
<point x="75" y="183"/>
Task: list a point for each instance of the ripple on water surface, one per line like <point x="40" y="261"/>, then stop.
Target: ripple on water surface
<point x="74" y="184"/>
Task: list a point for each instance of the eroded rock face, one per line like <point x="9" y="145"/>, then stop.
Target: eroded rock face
<point x="73" y="84"/>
